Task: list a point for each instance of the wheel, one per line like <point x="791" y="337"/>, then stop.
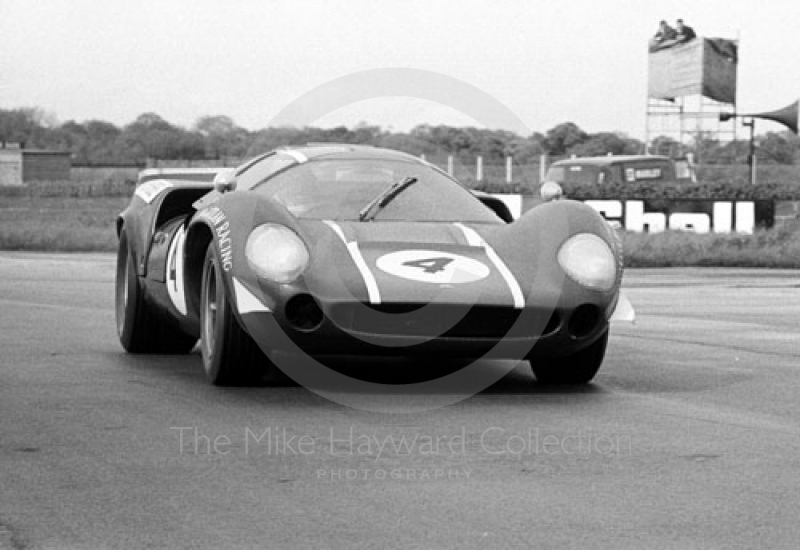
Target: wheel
<point x="578" y="368"/>
<point x="230" y="356"/>
<point x="140" y="328"/>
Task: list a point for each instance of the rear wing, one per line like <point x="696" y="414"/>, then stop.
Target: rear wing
<point x="193" y="175"/>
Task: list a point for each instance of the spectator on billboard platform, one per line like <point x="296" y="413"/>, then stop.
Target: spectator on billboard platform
<point x="665" y="32"/>
<point x="684" y="32"/>
<point x="664" y="37"/>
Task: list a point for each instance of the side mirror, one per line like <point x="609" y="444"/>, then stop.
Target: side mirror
<point x="551" y="191"/>
<point x="225" y="180"/>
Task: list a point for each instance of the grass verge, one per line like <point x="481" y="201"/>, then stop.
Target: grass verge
<point x="66" y="224"/>
<point x="772" y="248"/>
<point x="86" y="223"/>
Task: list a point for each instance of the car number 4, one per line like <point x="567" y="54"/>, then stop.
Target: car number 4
<point x="430" y="265"/>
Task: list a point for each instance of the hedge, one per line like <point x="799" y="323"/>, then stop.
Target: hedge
<point x="650" y="190"/>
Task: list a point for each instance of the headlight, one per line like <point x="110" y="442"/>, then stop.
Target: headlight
<point x="588" y="261"/>
<point x="276" y="253"/>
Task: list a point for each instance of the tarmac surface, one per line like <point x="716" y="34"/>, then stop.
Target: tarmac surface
<point x="689" y="437"/>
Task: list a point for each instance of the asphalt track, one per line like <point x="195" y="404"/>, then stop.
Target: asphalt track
<point x="690" y="437"/>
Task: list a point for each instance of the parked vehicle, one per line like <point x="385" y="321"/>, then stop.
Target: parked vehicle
<point x="621" y="169"/>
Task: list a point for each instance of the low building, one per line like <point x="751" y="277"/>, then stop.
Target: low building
<point x="19" y="166"/>
<point x="46" y="165"/>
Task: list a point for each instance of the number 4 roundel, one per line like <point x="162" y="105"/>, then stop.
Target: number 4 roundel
<point x="432" y="266"/>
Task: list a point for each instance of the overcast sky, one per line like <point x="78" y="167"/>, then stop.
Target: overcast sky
<point x="583" y="61"/>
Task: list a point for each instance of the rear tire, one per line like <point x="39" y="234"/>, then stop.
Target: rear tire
<point x="140" y="328"/>
<point x="230" y="356"/>
<point x="576" y="369"/>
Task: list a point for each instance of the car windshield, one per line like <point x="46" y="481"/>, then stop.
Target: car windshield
<point x="339" y="189"/>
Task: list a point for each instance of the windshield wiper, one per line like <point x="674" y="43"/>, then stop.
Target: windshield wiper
<point x="385" y="197"/>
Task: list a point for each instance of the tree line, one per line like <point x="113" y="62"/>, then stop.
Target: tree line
<point x="150" y="136"/>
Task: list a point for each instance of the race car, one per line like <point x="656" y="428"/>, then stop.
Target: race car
<point x="338" y="249"/>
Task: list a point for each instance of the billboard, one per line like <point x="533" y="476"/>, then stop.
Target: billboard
<point x="703" y="66"/>
<point x="697" y="215"/>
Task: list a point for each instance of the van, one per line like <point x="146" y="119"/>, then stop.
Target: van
<point x="621" y="169"/>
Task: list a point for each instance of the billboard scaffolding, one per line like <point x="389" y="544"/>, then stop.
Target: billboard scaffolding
<point x="689" y="85"/>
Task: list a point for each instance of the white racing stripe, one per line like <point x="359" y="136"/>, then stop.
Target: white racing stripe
<point x="474" y="239"/>
<point x="148" y="191"/>
<point x="352" y="247"/>
<point x="246" y="302"/>
<point x="175" y="283"/>
<point x="296" y="155"/>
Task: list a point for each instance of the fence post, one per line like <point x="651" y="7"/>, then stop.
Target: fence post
<point x="479" y="175"/>
<point x="450" y="164"/>
<point x="508" y="169"/>
<point x="542" y="167"/>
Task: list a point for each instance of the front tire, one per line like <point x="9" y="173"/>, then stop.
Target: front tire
<point x="230" y="356"/>
<point x="139" y="327"/>
<point x="576" y="369"/>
